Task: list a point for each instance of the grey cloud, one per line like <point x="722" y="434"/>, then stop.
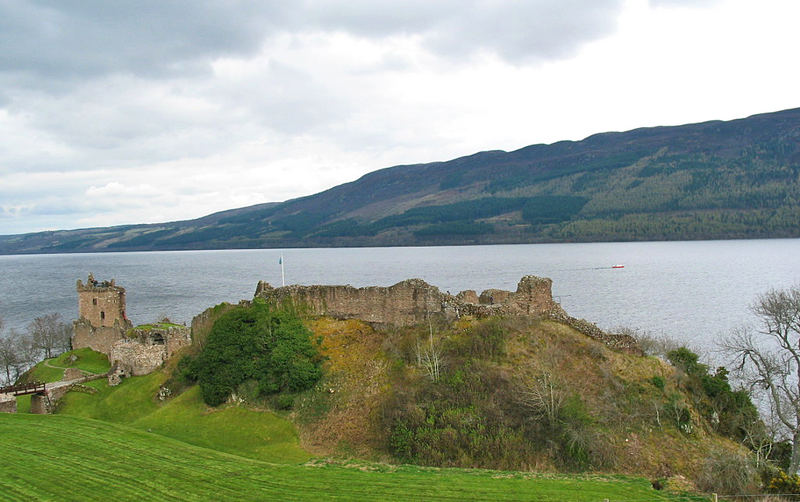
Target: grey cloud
<point x="526" y="30"/>
<point x="70" y="38"/>
<point x="74" y="39"/>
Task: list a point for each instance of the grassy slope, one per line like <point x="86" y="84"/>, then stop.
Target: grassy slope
<point x="70" y="458"/>
<point x="52" y="370"/>
<point x="342" y="416"/>
<point x="249" y="433"/>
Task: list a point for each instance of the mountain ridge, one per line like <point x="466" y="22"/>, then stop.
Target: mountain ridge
<point x="713" y="179"/>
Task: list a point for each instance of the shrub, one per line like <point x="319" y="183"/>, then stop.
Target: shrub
<point x="658" y="382"/>
<point x="186" y="370"/>
<point x="258" y="342"/>
<point x="484" y="340"/>
<point x="784" y="484"/>
<point x="728" y="473"/>
<point x="731" y="412"/>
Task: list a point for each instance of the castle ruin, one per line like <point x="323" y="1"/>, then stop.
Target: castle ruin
<point x="101" y="315"/>
<point x="414" y="301"/>
<point x="103" y="326"/>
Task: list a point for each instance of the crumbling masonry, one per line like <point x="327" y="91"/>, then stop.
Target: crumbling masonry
<point x="103" y="326"/>
<point x="414" y="301"/>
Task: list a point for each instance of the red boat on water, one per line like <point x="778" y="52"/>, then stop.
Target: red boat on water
<point x="618" y="266"/>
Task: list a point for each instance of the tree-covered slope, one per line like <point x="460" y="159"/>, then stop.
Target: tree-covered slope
<point x="734" y="179"/>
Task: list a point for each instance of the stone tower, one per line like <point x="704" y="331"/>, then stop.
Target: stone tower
<point x="101" y="315"/>
<point x="101" y="303"/>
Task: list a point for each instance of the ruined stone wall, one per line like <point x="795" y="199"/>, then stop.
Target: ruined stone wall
<point x="138" y="358"/>
<point x="177" y="337"/>
<point x="99" y="339"/>
<point x="407" y="302"/>
<point x="624" y="343"/>
<point x="144" y="350"/>
<point x="413" y="301"/>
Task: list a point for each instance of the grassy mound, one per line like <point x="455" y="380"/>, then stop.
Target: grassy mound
<point x="254" y="434"/>
<point x="508" y="394"/>
<point x="70" y="458"/>
<point x="52" y="370"/>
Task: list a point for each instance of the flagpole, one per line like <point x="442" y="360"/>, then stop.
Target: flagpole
<point x="283" y="276"/>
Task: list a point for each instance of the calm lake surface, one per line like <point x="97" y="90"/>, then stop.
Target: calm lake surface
<point x="691" y="291"/>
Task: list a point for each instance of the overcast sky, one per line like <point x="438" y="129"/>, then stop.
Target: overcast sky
<point x="149" y="111"/>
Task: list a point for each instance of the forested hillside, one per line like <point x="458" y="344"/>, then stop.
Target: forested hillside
<point x="735" y="179"/>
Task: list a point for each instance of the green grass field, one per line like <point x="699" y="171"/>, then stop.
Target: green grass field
<point x="60" y="457"/>
<point x="122" y="443"/>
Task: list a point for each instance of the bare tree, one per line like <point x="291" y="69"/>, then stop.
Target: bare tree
<point x="8" y="353"/>
<point x="544" y="397"/>
<point x="430" y="357"/>
<point x="15" y="356"/>
<point x="772" y="361"/>
<point x="50" y="334"/>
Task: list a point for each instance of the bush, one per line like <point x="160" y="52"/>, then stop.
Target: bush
<point x="731" y="412"/>
<point x="727" y="473"/>
<point x="257" y="342"/>
<point x="784" y="484"/>
<point x="658" y="382"/>
<point x="485" y="339"/>
<point x="187" y="369"/>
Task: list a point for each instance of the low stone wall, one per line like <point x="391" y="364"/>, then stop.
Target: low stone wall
<point x="624" y="343"/>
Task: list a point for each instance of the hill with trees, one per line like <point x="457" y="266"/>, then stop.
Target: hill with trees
<point x="734" y="179"/>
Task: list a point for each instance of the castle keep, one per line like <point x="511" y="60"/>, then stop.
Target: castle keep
<point x="101" y="315"/>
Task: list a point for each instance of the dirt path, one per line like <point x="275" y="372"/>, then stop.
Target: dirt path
<point x="47" y="363"/>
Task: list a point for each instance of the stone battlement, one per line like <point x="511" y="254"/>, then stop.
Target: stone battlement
<point x="93" y="285"/>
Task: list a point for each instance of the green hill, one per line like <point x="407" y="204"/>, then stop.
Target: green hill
<point x="735" y="179"/>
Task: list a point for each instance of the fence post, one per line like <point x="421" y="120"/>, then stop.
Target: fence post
<point x="714" y="497"/>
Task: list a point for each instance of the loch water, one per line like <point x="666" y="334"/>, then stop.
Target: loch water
<point x="692" y="291"/>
